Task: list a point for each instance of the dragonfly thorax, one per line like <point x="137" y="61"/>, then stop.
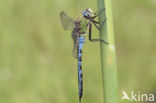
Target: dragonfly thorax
<point x="81" y="25"/>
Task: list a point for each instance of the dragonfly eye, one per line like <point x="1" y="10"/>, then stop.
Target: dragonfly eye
<point x="86" y="14"/>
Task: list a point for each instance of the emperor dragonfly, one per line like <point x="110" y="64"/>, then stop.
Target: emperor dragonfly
<point x="79" y="29"/>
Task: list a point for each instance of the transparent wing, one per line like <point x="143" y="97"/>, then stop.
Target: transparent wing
<point x="75" y="43"/>
<point x="67" y="23"/>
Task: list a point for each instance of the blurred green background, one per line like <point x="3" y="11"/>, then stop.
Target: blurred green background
<point x="36" y="63"/>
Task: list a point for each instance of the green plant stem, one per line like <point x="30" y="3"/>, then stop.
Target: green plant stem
<point x="108" y="57"/>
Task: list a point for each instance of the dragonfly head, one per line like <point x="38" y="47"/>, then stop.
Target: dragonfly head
<point x="88" y="13"/>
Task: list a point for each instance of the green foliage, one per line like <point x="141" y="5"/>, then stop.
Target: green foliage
<point x="108" y="55"/>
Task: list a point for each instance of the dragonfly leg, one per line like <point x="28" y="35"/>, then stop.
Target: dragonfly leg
<point x="90" y="33"/>
<point x="97" y="13"/>
<point x="95" y="23"/>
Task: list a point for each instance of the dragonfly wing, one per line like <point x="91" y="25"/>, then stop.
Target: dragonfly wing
<point x="67" y="23"/>
<point x="75" y="42"/>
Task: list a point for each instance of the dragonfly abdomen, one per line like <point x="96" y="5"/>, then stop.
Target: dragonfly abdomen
<point x="80" y="75"/>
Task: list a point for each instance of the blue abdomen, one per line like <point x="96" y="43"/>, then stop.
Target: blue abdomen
<point x="81" y="40"/>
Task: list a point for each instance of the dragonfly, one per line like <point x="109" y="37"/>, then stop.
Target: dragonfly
<point x="79" y="28"/>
